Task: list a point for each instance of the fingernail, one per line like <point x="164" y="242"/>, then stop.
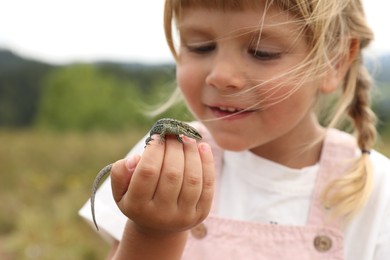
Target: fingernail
<point x="205" y="148"/>
<point x="188" y="139"/>
<point x="156" y="137"/>
<point x="132" y="162"/>
<point x="152" y="138"/>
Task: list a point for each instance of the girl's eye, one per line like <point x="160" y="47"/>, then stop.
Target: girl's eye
<point x="264" y="55"/>
<point x="201" y="49"/>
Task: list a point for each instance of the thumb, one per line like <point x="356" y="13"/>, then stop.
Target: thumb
<point x="121" y="174"/>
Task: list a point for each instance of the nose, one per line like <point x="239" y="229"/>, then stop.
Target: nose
<point x="226" y="73"/>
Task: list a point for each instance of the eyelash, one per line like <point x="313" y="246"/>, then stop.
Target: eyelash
<point x="264" y="55"/>
<point x="201" y="49"/>
<point x="257" y="54"/>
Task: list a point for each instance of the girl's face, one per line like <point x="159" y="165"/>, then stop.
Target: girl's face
<point x="227" y="64"/>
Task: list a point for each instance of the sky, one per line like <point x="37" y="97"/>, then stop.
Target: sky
<point x="64" y="31"/>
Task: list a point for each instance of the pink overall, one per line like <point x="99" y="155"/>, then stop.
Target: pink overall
<point x="321" y="238"/>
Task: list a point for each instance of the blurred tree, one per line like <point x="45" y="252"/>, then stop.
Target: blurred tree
<point x="19" y="89"/>
<point x="80" y="97"/>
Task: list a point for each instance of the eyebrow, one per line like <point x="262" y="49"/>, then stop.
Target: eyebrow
<point x="253" y="32"/>
<point x="196" y="30"/>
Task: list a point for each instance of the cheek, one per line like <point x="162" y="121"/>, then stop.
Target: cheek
<point x="190" y="85"/>
<point x="288" y="90"/>
<point x="296" y="106"/>
<point x="188" y="80"/>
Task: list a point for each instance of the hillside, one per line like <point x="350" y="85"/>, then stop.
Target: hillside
<point x="384" y="75"/>
<point x="20" y="81"/>
<point x="21" y="84"/>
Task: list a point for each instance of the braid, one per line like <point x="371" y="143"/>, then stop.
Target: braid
<point x="349" y="193"/>
<point x="360" y="111"/>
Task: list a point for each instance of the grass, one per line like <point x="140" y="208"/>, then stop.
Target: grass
<point x="46" y="177"/>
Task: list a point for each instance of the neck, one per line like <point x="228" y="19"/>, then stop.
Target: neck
<point x="296" y="150"/>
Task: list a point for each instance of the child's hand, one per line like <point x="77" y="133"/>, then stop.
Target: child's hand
<point x="169" y="188"/>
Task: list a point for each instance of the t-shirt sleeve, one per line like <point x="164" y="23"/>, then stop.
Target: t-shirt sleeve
<point x="381" y="167"/>
<point x="109" y="218"/>
<point x="382" y="250"/>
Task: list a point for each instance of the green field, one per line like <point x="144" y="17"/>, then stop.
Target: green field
<point x="46" y="177"/>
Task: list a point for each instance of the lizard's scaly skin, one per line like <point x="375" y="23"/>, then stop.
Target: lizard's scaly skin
<point x="163" y="127"/>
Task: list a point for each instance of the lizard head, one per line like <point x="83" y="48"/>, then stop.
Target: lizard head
<point x="192" y="132"/>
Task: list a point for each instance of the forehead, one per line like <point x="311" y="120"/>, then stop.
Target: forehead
<point x="220" y="4"/>
<point x="261" y="18"/>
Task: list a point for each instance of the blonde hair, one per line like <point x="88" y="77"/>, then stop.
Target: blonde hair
<point x="330" y="28"/>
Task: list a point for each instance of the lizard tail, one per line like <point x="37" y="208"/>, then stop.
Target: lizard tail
<point x="95" y="186"/>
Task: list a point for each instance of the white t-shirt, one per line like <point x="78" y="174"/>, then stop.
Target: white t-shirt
<point x="255" y="189"/>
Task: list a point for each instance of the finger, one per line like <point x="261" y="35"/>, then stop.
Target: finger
<point x="146" y="176"/>
<point x="193" y="179"/>
<point x="208" y="170"/>
<point x="121" y="174"/>
<point x="171" y="177"/>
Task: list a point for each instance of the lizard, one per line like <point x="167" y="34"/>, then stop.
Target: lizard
<point x="163" y="127"/>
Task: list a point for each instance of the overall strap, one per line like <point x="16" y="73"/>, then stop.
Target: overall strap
<point x="337" y="156"/>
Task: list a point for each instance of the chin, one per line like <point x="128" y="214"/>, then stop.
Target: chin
<point x="231" y="145"/>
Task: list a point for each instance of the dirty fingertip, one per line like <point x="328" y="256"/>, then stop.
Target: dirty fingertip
<point x="132" y="162"/>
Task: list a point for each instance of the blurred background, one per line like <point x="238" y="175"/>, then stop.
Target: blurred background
<point x="75" y="80"/>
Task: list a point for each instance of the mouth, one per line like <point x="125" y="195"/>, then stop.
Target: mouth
<point x="229" y="109"/>
<point x="230" y="112"/>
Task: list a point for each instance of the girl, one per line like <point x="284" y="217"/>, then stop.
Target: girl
<point x="268" y="181"/>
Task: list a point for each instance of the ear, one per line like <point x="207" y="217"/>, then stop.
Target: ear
<point x="337" y="73"/>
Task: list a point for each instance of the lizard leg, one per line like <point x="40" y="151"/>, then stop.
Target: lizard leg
<point x="148" y="140"/>
<point x="179" y="138"/>
<point x="162" y="137"/>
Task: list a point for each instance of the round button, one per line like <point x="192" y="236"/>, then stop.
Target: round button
<point x="199" y="231"/>
<point x="322" y="243"/>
